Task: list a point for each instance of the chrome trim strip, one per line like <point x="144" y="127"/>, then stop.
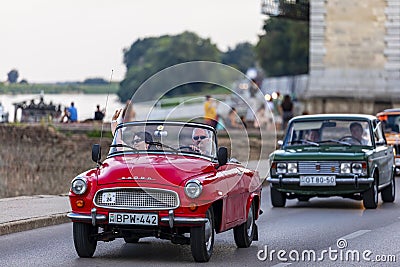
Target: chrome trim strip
<point x="184" y="220"/>
<point x="338" y="180"/>
<point x="383" y="185"/>
<point x="82" y="217"/>
<point x="135" y="208"/>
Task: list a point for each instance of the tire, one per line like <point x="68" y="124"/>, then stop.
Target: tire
<point x="388" y="194"/>
<point x="244" y="233"/>
<point x="370" y="197"/>
<point x="202" y="239"/>
<point x="131" y="240"/>
<point x="85" y="244"/>
<point x="278" y="199"/>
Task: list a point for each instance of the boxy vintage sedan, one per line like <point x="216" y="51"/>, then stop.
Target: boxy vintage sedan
<point x="333" y="155"/>
<point x="165" y="180"/>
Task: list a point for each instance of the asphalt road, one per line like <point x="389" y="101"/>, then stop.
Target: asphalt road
<point x="302" y="227"/>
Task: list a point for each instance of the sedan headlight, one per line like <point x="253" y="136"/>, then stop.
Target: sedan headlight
<point x="359" y="168"/>
<point x="345" y="167"/>
<point x="354" y="167"/>
<point x="193" y="188"/>
<point x="292" y="167"/>
<point x="281" y="167"/>
<point x="79" y="185"/>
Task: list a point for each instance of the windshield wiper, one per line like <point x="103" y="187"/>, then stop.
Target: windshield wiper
<point x="300" y="141"/>
<point x="336" y="141"/>
<point x="162" y="145"/>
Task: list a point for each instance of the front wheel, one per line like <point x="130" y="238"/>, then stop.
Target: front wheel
<point x="388" y="194"/>
<point x="202" y="239"/>
<point x="370" y="197"/>
<point x="84" y="241"/>
<point x="278" y="199"/>
<point x="244" y="233"/>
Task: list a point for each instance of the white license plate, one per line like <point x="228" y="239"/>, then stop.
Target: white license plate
<point x="317" y="180"/>
<point x="133" y="218"/>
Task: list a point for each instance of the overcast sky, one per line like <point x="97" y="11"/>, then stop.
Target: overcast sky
<point x="71" y="40"/>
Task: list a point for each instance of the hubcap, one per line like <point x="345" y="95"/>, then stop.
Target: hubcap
<point x="208" y="234"/>
<point x="376" y="193"/>
<point x="250" y="222"/>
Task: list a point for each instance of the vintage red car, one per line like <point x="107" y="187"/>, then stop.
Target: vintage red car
<point x="166" y="180"/>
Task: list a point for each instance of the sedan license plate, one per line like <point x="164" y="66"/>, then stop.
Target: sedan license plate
<point x="133" y="218"/>
<point x="317" y="180"/>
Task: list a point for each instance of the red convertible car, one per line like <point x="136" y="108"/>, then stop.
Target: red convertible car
<point x="166" y="180"/>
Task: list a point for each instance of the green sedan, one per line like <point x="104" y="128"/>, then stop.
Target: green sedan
<point x="333" y="155"/>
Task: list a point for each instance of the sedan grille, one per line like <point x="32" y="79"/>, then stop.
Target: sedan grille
<point x="137" y="199"/>
<point x="319" y="167"/>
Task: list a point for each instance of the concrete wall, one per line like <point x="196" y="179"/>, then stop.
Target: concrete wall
<point x="354" y="55"/>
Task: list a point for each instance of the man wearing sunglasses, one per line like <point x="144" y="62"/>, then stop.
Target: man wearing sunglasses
<point x="201" y="141"/>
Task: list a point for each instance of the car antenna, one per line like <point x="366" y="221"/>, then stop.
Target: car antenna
<point x="105" y="111"/>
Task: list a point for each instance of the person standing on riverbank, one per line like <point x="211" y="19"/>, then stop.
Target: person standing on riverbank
<point x="210" y="111"/>
<point x="73" y="113"/>
<point x="99" y="114"/>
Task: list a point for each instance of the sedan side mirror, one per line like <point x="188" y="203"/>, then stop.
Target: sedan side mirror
<point x="222" y="156"/>
<point x="96" y="153"/>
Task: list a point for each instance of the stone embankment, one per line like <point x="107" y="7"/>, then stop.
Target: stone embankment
<point x="39" y="160"/>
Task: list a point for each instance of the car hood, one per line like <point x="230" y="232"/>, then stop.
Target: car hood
<point x="336" y="153"/>
<point x="152" y="169"/>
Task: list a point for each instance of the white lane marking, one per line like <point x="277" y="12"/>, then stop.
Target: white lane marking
<point x="281" y="264"/>
<point x="355" y="234"/>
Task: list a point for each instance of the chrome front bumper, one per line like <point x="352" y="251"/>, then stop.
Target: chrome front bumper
<point x="339" y="180"/>
<point x="171" y="219"/>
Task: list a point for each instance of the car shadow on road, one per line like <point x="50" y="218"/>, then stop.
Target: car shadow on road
<point x="326" y="203"/>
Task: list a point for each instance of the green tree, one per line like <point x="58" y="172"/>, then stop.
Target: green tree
<point x="241" y="57"/>
<point x="148" y="56"/>
<point x="12" y="76"/>
<point x="284" y="48"/>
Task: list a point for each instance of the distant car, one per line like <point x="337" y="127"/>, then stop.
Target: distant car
<point x="391" y="122"/>
<point x="165" y="180"/>
<point x="333" y="155"/>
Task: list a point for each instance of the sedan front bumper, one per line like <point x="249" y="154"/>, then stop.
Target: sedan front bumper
<point x="339" y="180"/>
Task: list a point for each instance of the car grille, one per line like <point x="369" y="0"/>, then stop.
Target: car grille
<point x="139" y="199"/>
<point x="319" y="167"/>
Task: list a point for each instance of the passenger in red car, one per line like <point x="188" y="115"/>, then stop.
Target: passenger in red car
<point x="141" y="140"/>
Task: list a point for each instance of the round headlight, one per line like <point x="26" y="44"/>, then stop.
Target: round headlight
<point x="79" y="186"/>
<point x="345" y="168"/>
<point x="193" y="188"/>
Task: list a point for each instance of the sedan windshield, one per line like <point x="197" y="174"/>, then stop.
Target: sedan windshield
<point x="156" y="137"/>
<point x="339" y="132"/>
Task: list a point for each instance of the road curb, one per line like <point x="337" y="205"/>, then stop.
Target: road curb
<point x="33" y="223"/>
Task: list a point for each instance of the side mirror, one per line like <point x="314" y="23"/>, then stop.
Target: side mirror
<point x="222" y="156"/>
<point x="96" y="153"/>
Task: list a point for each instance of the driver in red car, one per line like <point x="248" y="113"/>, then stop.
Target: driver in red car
<point x="201" y="141"/>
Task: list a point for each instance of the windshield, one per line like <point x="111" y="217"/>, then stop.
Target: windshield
<point x="156" y="137"/>
<point x="339" y="132"/>
<point x="391" y="123"/>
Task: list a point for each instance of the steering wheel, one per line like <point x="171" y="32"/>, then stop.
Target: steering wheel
<point x="350" y="138"/>
<point x="191" y="148"/>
